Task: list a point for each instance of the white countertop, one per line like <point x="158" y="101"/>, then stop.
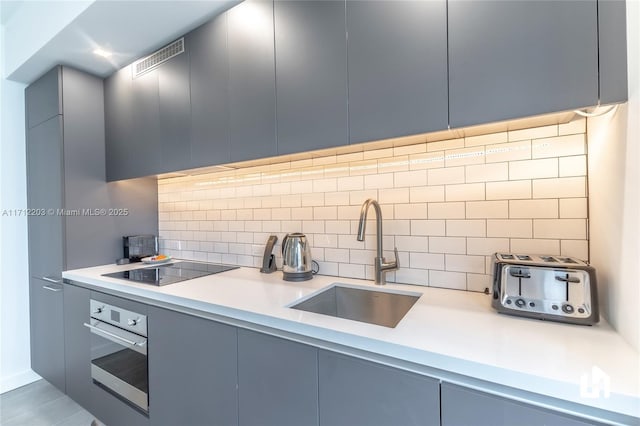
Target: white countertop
<point x="450" y="330"/>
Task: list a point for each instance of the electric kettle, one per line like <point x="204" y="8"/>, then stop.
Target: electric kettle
<point x="296" y="258"/>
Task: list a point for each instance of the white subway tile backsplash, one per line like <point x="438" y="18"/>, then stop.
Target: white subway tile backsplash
<point x="426" y="261"/>
<point x="487" y="246"/>
<point x="568" y="187"/>
<point x="560" y="146"/>
<point x="533" y="169"/>
<point x="451" y="245"/>
<point x="444" y="279"/>
<point x="575" y="248"/>
<point x="513" y="190"/>
<point x="447" y="206"/>
<point x="465" y="192"/>
<point x="428" y="227"/>
<point x="575" y="229"/>
<point x="537" y="246"/>
<point x="464" y="263"/>
<point x="510" y="228"/>
<point x="487" y="209"/>
<point x="466" y="228"/>
<point x="573" y="208"/>
<point x="445" y="176"/>
<point x="487" y="172"/>
<point x="534" y="133"/>
<point x="420" y="194"/>
<point x="453" y="210"/>
<point x="573" y="166"/>
<point x="531" y="209"/>
<point x="508" y="152"/>
<point x="464" y="156"/>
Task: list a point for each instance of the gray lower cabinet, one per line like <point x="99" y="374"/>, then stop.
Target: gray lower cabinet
<point x="311" y="75"/>
<point x="77" y="343"/>
<point x="192" y="370"/>
<point x="520" y="58"/>
<point x="277" y="381"/>
<point x="252" y="81"/>
<point x="355" y="392"/>
<point x="209" y="78"/>
<point x="397" y="58"/>
<point x="462" y="407"/>
<point x="47" y="331"/>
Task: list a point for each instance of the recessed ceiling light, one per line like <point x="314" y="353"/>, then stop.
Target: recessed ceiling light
<point x="101" y="52"/>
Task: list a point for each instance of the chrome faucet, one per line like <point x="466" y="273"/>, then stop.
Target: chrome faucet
<point x="381" y="267"/>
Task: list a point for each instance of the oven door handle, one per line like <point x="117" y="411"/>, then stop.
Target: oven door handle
<point x="115" y="336"/>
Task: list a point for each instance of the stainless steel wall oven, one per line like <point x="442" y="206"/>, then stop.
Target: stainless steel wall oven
<point x="119" y="353"/>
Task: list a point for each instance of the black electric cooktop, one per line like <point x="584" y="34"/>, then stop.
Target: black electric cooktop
<point x="170" y="273"/>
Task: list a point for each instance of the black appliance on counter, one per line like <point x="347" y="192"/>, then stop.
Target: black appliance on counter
<point x="137" y="247"/>
<point x="170" y="273"/>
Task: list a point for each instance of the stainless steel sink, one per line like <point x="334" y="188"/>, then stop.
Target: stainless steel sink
<point x="384" y="308"/>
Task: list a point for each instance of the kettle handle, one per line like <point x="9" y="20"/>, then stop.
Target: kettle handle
<point x="284" y="241"/>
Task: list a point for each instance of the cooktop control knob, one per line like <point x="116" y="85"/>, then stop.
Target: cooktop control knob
<point x="567" y="309"/>
<point x="520" y="303"/>
<point x="132" y="322"/>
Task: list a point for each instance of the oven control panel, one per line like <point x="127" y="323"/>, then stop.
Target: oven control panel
<point x="122" y="318"/>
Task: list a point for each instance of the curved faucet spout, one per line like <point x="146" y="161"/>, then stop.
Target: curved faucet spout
<point x="381" y="267"/>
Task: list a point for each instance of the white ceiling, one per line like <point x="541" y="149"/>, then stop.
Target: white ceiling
<point x="130" y="29"/>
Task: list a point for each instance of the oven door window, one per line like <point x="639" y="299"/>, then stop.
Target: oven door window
<point x="119" y="362"/>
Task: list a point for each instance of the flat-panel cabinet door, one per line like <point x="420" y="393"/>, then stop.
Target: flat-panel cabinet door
<point x="118" y="112"/>
<point x="44" y="196"/>
<point x="397" y="58"/>
<point x="252" y="81"/>
<point x="42" y="97"/>
<point x="146" y="135"/>
<point x="358" y="392"/>
<point x="277" y="381"/>
<point x="209" y="68"/>
<point x="77" y="342"/>
<point x="192" y="370"/>
<point x="311" y="75"/>
<point x="47" y="331"/>
<point x="174" y="106"/>
<point x="510" y="59"/>
<point x="463" y="407"/>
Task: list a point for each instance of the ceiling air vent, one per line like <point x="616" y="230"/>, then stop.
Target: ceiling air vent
<point x="155" y="59"/>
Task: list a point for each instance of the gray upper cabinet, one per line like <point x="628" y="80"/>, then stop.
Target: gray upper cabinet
<point x="252" y="81"/>
<point x="193" y="375"/>
<point x="277" y="381"/>
<point x="612" y="51"/>
<point x="462" y="407"/>
<point x="145" y="143"/>
<point x="357" y="392"/>
<point x="510" y="59"/>
<point x="209" y="76"/>
<point x="44" y="99"/>
<point x="311" y="75"/>
<point x="175" y="113"/>
<point x="397" y="59"/>
<point x="118" y="112"/>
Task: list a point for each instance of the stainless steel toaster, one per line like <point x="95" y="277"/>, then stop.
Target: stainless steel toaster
<point x="554" y="288"/>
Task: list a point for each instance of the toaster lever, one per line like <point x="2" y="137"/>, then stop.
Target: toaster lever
<point x="519" y="273"/>
<point x="568" y="279"/>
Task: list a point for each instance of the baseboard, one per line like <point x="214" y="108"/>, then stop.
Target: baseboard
<point x="17" y="380"/>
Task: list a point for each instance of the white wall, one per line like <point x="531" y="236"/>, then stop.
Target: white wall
<point x="614" y="198"/>
<point x="15" y="361"/>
